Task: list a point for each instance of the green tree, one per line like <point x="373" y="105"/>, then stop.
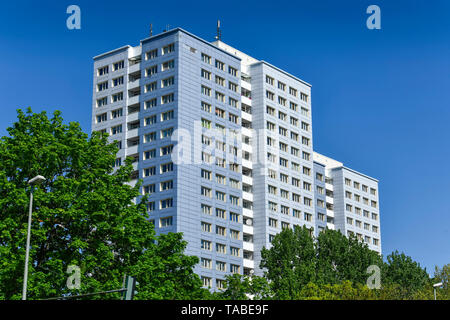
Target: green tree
<point x="403" y="271"/>
<point x="84" y="214"/>
<point x="340" y="258"/>
<point x="442" y="275"/>
<point x="165" y="272"/>
<point x="290" y="263"/>
<point x="239" y="287"/>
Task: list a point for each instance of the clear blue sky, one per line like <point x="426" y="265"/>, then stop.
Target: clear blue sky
<point x="380" y="98"/>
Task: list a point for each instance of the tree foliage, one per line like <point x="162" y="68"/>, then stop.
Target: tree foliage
<point x="84" y="214"/>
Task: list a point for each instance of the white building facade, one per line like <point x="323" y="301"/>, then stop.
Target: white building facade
<point x="223" y="143"/>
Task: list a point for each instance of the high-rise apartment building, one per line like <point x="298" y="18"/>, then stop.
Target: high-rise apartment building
<point x="223" y="143"/>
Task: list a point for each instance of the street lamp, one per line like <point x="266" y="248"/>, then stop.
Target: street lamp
<point x="35" y="181"/>
<point x="436" y="285"/>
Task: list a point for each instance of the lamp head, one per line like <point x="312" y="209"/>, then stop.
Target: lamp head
<point x="438" y="284"/>
<point x="36" y="180"/>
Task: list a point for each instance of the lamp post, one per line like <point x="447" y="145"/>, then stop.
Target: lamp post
<point x="436" y="285"/>
<point x="35" y="181"/>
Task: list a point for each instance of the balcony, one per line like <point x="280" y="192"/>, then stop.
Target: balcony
<point x="247" y="196"/>
<point x="247" y="163"/>
<point x="136" y="83"/>
<point x="133" y="100"/>
<point x="247" y="213"/>
<point x="133" y="133"/>
<point x="249" y="264"/>
<point x="248" y="246"/>
<point x="247" y="229"/>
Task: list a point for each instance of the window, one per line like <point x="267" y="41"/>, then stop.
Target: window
<point x="292" y="91"/>
<point x="270" y="80"/>
<point x="206" y="58"/>
<point x="293" y="106"/>
<point x="117" y="97"/>
<point x="308" y="217"/>
<point x="220" y="96"/>
<point x="273" y="206"/>
<point x="206" y="192"/>
<point x="168" y="115"/>
<point x="167" y="82"/>
<point x="167" y="98"/>
<point x="150" y="154"/>
<point x="304" y="97"/>
<point x="116" y="129"/>
<point x="220" y="196"/>
<point x="151" y="54"/>
<point x="307" y="202"/>
<point x="232" y="71"/>
<point x="102" y="71"/>
<point x="150" y="120"/>
<point x="150" y="87"/>
<point x="234" y="268"/>
<point x="221" y="231"/>
<point x="221" y="266"/>
<point x="118" y="65"/>
<point x="151" y="71"/>
<point x="165" y="222"/>
<point x="270" y="126"/>
<point x="220" y="213"/>
<point x="270" y="95"/>
<point x="305" y="126"/>
<point x="206" y="91"/>
<point x="206" y="227"/>
<point x="166" y="203"/>
<point x="281" y="86"/>
<point x="205" y="245"/>
<point x="232" y="86"/>
<point x="168" y="49"/>
<point x="233" y="102"/>
<point x="102" y="86"/>
<point x="233" y="118"/>
<point x="206" y="107"/>
<point x="207" y="282"/>
<point x="234" y="251"/>
<point x="166" y="150"/>
<point x="220" y="65"/>
<point x="221" y="248"/>
<point x="234" y="200"/>
<point x="273" y="223"/>
<point x="150" y="103"/>
<point x="166" y="167"/>
<point x="102" y="102"/>
<point x="117" y="81"/>
<point x="205" y="263"/>
<point x="206" y="74"/>
<point x="149" y="137"/>
<point x="220" y="81"/>
<point x="285" y="210"/>
<point x="234" y="217"/>
<point x="206" y="209"/>
<point x="166" y="133"/>
<point x="270" y="110"/>
<point x="168" y="65"/>
<point x="166" y="185"/>
<point x="148" y="172"/>
<point x="305" y="112"/>
<point x="101" y="117"/>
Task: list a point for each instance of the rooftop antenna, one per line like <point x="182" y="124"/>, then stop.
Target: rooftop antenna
<point x="219" y="32"/>
<point x="151" y="29"/>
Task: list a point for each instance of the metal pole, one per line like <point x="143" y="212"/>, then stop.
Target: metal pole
<point x="25" y="275"/>
<point x="434" y="293"/>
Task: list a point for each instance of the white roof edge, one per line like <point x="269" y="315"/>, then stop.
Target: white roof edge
<point x="112" y="51"/>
